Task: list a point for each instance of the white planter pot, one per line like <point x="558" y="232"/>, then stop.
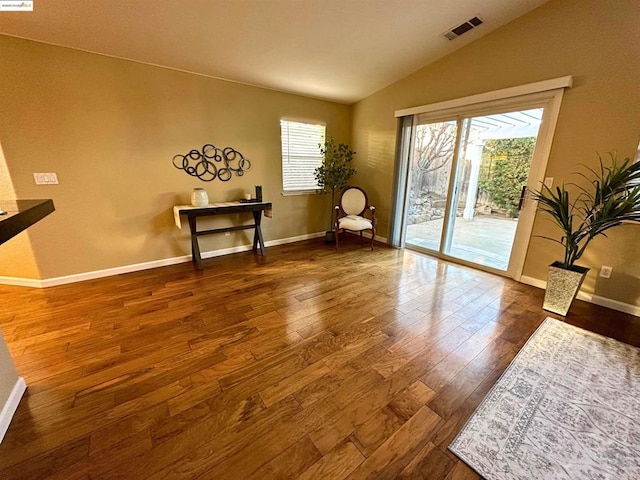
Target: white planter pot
<point x="562" y="287"/>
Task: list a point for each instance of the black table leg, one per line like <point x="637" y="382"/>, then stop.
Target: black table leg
<point x="257" y="236"/>
<point x="195" y="248"/>
<point x="256" y="239"/>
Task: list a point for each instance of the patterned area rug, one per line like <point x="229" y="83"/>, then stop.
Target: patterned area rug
<point x="568" y="407"/>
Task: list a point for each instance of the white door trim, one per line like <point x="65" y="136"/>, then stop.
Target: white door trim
<point x="536" y="178"/>
<point x="518" y="91"/>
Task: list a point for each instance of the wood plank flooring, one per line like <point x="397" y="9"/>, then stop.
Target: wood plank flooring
<point x="309" y="364"/>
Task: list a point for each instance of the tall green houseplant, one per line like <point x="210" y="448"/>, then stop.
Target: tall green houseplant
<point x="611" y="196"/>
<point x="335" y="171"/>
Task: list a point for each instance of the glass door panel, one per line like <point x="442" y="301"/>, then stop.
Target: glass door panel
<point x="493" y="169"/>
<point x="432" y="154"/>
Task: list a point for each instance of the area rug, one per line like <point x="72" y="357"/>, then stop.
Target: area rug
<point x="568" y="407"/>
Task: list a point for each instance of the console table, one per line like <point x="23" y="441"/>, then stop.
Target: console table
<point x="226" y="208"/>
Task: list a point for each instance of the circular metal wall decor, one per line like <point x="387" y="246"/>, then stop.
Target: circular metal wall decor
<point x="202" y="163"/>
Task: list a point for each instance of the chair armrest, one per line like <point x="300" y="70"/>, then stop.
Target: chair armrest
<point x="373" y="213"/>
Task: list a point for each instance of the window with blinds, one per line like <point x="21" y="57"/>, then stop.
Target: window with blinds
<point x="300" y="155"/>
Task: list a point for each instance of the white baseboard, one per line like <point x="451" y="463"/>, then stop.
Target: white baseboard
<point x="80" y="277"/>
<point x="590" y="297"/>
<point x="11" y="406"/>
<point x="21" y="282"/>
<point x="534" y="282"/>
<point x="378" y="237"/>
<point x="609" y="303"/>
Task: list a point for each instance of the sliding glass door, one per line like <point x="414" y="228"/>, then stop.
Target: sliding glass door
<point x="467" y="180"/>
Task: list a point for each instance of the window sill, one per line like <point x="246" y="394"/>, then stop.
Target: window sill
<point x="292" y="193"/>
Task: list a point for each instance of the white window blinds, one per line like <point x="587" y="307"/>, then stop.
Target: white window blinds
<point x="300" y="154"/>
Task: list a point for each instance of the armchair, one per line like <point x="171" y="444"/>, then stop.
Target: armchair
<point x="350" y="214"/>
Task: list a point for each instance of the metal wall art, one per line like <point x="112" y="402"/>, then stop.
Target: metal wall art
<point x="202" y="163"/>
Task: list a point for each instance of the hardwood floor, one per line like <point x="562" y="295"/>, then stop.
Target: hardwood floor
<point x="308" y="364"/>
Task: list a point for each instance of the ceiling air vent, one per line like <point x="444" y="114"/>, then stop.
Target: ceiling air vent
<point x="462" y="28"/>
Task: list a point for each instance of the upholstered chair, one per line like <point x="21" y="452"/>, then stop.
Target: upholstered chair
<point x="350" y="214"/>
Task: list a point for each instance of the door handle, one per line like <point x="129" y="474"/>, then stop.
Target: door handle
<point x="523" y="196"/>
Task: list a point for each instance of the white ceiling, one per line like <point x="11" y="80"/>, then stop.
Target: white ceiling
<point x="340" y="50"/>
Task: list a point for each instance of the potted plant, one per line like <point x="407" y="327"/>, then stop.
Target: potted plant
<point x="334" y="173"/>
<point x="611" y="197"/>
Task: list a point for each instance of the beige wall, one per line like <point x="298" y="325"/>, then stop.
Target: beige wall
<point x="599" y="44"/>
<point x="109" y="128"/>
<point x="16" y="255"/>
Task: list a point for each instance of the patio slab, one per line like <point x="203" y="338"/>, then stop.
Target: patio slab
<point x="485" y="240"/>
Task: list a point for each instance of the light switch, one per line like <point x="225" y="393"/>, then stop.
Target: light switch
<point x="548" y="181"/>
<point x="45" y="178"/>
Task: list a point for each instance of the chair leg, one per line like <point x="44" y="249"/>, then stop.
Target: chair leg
<point x="360" y="237"/>
<point x="337" y="235"/>
<point x="373" y="236"/>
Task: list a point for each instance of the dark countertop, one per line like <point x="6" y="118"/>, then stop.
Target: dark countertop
<point x="21" y="214"/>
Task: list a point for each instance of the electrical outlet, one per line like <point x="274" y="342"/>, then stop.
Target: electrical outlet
<point x="548" y="181"/>
<point x="605" y="271"/>
<point x="226" y="234"/>
<point x="45" y="178"/>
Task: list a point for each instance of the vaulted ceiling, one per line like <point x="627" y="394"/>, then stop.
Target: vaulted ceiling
<point x="339" y="50"/>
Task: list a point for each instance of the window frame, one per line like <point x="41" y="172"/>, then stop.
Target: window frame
<point x="286" y="156"/>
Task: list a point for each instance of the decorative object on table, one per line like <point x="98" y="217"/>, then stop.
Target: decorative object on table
<point x="258" y="193"/>
<point x="613" y="196"/>
<point x="199" y="197"/>
<point x="350" y="212"/>
<point x="565" y="408"/>
<point x="202" y="163"/>
<point x="334" y="174"/>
